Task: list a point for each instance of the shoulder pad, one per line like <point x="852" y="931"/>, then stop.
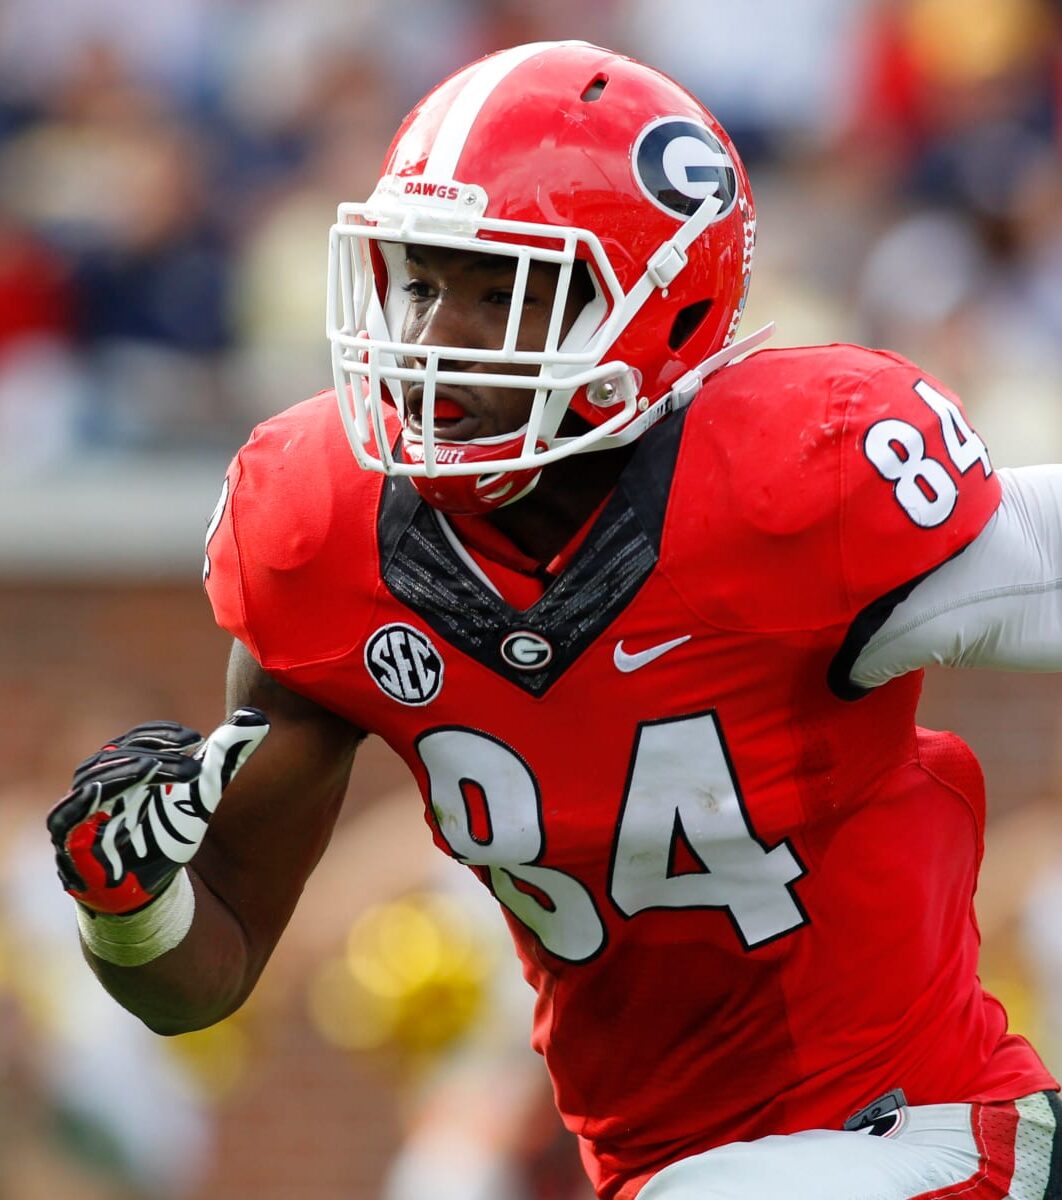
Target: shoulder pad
<point x="819" y="479"/>
<point x="293" y="538"/>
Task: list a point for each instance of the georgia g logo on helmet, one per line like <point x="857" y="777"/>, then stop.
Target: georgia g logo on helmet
<point x="679" y="163"/>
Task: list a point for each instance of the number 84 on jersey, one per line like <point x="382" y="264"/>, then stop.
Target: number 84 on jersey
<point x="681" y="789"/>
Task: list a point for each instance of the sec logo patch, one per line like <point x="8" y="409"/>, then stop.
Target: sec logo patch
<point x="404" y="663"/>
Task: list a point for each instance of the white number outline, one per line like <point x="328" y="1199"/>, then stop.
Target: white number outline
<point x="960" y="439"/>
<point x="962" y="443"/>
<point x="904" y="473"/>
<point x="781" y="849"/>
<point x="502" y="876"/>
<point x="212" y="526"/>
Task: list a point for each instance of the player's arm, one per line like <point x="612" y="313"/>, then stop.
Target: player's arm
<point x="220" y="915"/>
<point x="996" y="604"/>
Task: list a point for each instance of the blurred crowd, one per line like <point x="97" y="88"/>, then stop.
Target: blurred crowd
<point x="168" y="174"/>
<point x="167" y="177"/>
<point x="167" y="180"/>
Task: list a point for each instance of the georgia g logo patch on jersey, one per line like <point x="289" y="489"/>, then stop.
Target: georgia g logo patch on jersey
<point x="679" y="164"/>
<point x="404" y="664"/>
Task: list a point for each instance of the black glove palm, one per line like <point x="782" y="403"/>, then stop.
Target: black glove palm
<point x="138" y="809"/>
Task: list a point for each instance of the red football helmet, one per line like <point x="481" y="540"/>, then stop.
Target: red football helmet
<point x="555" y="152"/>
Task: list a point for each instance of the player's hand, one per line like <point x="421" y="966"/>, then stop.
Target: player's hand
<point x="138" y="809"/>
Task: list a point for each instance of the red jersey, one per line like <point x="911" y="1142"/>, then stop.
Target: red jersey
<point x="741" y="888"/>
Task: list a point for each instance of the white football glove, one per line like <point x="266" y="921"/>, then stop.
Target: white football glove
<point x="138" y="809"/>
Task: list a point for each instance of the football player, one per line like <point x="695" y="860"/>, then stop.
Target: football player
<point x="645" y="615"/>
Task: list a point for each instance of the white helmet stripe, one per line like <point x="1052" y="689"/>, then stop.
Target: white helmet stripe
<point x="462" y="114"/>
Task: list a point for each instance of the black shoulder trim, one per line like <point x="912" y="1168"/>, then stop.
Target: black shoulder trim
<point x="646" y="480"/>
<point x="862" y="629"/>
<point x="422" y="570"/>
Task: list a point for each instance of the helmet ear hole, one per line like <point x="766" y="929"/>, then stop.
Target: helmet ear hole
<point x="686" y="322"/>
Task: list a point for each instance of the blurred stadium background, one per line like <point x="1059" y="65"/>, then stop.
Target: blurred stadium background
<point x="168" y="173"/>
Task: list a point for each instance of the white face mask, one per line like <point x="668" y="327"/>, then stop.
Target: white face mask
<point x="372" y="363"/>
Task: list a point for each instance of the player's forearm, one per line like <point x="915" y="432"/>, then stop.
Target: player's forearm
<point x="181" y="897"/>
<point x="202" y="979"/>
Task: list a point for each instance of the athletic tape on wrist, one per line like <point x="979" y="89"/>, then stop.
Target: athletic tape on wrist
<point x="131" y="941"/>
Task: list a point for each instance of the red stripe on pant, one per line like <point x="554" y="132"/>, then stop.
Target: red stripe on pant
<point x="995" y="1128"/>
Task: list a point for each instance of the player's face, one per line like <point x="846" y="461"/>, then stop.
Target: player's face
<point x="461" y="298"/>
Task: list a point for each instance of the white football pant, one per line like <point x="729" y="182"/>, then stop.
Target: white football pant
<point x="1002" y="1151"/>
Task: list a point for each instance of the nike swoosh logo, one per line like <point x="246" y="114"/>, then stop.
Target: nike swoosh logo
<point x="631" y="662"/>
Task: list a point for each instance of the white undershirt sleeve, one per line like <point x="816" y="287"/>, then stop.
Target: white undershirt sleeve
<point x="997" y="604"/>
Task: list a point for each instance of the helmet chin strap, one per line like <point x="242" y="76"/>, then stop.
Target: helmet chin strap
<point x="468" y="495"/>
<point x="683" y="392"/>
<point x="680" y="395"/>
<point x="692" y="382"/>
